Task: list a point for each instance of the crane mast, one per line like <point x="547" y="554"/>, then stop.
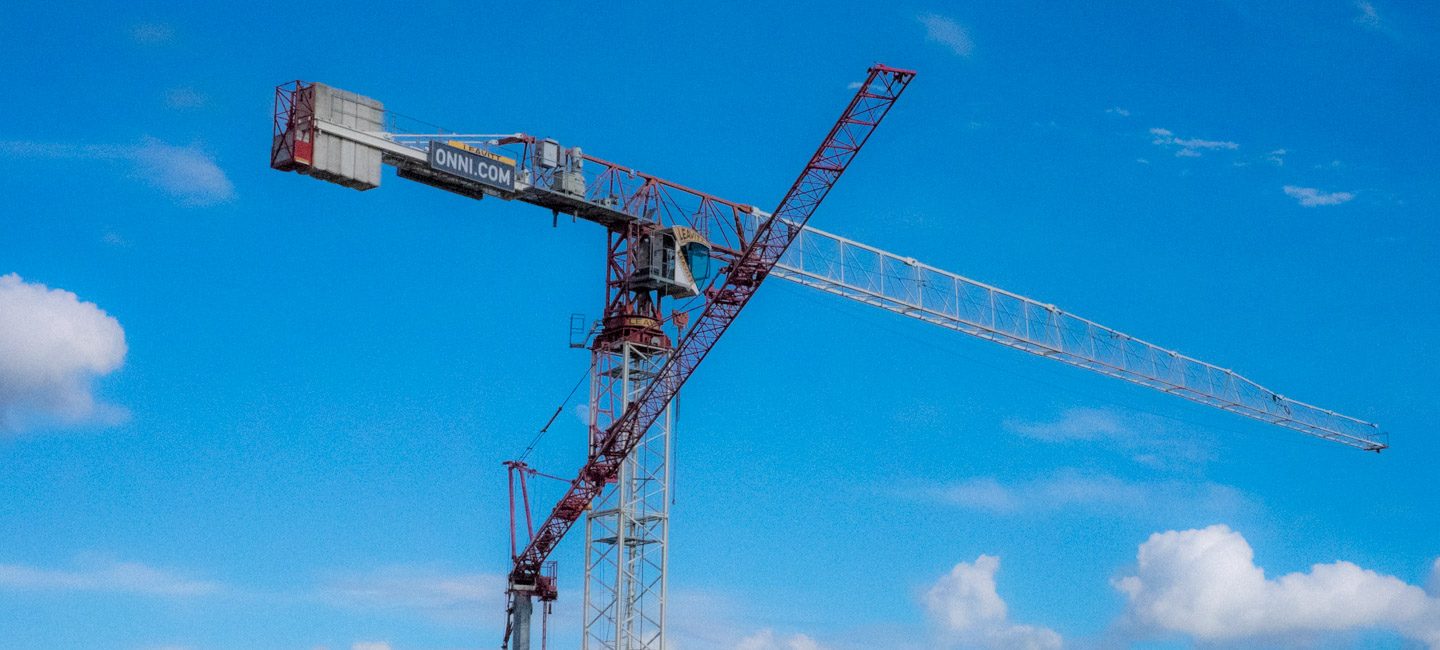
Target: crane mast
<point x="703" y="258"/>
<point x="723" y="302"/>
<point x="343" y="138"/>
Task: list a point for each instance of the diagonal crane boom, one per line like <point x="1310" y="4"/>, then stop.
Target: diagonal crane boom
<point x="725" y="301"/>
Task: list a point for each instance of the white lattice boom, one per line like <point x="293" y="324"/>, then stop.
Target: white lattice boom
<point x="903" y="285"/>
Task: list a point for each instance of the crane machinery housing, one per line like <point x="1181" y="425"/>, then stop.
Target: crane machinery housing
<point x="680" y="266"/>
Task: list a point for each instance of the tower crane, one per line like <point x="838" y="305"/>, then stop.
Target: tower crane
<point x="704" y="257"/>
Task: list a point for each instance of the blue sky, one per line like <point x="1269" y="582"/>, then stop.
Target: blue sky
<point x="270" y="412"/>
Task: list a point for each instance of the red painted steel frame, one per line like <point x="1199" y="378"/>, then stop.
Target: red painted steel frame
<point x="545" y="581"/>
<point x="294" y="132"/>
<point x="724" y="302"/>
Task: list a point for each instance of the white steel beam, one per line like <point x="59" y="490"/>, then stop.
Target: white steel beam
<point x="903" y="285"/>
<point x="627" y="530"/>
<point x="900" y="284"/>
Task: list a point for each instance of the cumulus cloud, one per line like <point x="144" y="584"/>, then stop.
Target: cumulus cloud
<point x="458" y="599"/>
<point x="1311" y="197"/>
<point x="52" y="345"/>
<point x="188" y="174"/>
<point x="1204" y="583"/>
<point x="1188" y="147"/>
<point x="1071" y="490"/>
<point x="969" y="612"/>
<point x="104" y="576"/>
<point x="370" y="645"/>
<point x="1118" y="111"/>
<point x="947" y="32"/>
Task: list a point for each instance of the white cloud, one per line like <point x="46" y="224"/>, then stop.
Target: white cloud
<point x="460" y="599"/>
<point x="152" y="34"/>
<point x="981" y="494"/>
<point x="1083" y="424"/>
<point x="1368" y="17"/>
<point x="1188" y="147"/>
<point x="947" y="32"/>
<point x="52" y="345"/>
<point x="108" y="576"/>
<point x="1371" y="20"/>
<point x="1311" y="197"/>
<point x="1147" y="439"/>
<point x="711" y="620"/>
<point x="855" y="85"/>
<point x="113" y="238"/>
<point x="1070" y="490"/>
<point x="1197" y="143"/>
<point x="1205" y="583"/>
<point x="1118" y="111"/>
<point x="370" y="645"/>
<point x="969" y="612"/>
<point x="185" y="98"/>
<point x="765" y="640"/>
<point x="188" y="174"/>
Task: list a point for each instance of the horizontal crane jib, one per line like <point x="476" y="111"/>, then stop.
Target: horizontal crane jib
<point x="903" y="285"/>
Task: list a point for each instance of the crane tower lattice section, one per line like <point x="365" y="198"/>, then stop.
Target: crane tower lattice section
<point x="627" y="529"/>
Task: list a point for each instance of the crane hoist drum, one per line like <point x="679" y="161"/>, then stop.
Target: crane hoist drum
<point x="672" y="262"/>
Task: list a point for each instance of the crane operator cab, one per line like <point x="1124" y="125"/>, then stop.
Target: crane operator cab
<point x="672" y="261"/>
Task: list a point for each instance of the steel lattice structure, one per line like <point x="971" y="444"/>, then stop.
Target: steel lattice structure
<point x="725" y="298"/>
<point x="902" y="285"/>
<point x="638" y="368"/>
<point x="627" y="530"/>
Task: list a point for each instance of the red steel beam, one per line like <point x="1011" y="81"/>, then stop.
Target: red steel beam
<point x="725" y="300"/>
